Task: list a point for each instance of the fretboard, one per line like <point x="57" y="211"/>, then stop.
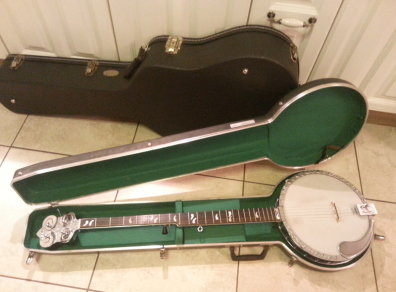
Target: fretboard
<point x="220" y="217"/>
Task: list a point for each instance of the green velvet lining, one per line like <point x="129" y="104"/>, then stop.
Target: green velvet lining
<point x="172" y="161"/>
<point x="327" y="117"/>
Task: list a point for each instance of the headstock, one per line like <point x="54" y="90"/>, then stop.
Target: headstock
<point x="58" y="229"/>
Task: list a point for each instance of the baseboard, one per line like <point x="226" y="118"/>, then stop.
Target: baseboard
<point x="382" y="118"/>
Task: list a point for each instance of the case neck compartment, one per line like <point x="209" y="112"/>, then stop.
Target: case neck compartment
<point x="308" y="125"/>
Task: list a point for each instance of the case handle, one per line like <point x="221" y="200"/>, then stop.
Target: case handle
<point x="248" y="257"/>
<point x="291" y="22"/>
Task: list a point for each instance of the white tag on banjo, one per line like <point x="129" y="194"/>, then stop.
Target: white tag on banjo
<point x="366" y="209"/>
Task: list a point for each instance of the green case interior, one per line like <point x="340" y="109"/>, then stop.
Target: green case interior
<point x="311" y="129"/>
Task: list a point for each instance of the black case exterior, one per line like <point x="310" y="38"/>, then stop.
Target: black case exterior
<point x="233" y="75"/>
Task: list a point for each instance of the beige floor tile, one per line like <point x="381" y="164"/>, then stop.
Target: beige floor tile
<point x="231" y="172"/>
<point x="182" y="270"/>
<point x="274" y="274"/>
<point x="257" y="190"/>
<point x="343" y="164"/>
<point x="384" y="252"/>
<point x="191" y="187"/>
<point x="9" y="126"/>
<point x="144" y="133"/>
<point x="72" y="270"/>
<point x="3" y="152"/>
<point x="73" y="136"/>
<point x="10" y="284"/>
<point x="376" y="150"/>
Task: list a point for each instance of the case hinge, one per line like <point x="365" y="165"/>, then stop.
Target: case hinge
<point x="91" y="68"/>
<point x="162" y="253"/>
<point x="30" y="257"/>
<point x="17" y="62"/>
<point x="173" y="45"/>
<point x="54" y="204"/>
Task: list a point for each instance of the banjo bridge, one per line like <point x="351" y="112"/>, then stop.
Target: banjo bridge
<point x="336" y="211"/>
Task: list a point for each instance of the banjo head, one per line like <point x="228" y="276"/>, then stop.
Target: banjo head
<point x="319" y="212"/>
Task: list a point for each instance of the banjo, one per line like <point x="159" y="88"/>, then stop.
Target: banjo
<point x="324" y="220"/>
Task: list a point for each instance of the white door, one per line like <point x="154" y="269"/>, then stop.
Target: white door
<point x="72" y="28"/>
<point x="115" y="29"/>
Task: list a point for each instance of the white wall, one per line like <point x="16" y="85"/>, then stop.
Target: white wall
<point x="361" y="48"/>
<point x="352" y="39"/>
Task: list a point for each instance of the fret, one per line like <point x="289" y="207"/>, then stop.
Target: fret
<point x="264" y="217"/>
<point x="250" y="217"/>
<point x="272" y="215"/>
<point x="239" y="216"/>
<point x="205" y="218"/>
<point x="244" y="214"/>
<point x="256" y="215"/>
<point x="228" y="216"/>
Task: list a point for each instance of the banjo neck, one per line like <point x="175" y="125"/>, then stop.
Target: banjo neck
<point x="220" y="217"/>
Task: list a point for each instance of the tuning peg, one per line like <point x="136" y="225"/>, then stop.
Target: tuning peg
<point x="165" y="229"/>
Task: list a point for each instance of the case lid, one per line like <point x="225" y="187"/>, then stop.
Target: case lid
<point x="307" y="126"/>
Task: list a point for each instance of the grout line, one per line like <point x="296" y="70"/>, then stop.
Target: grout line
<point x="112" y="26"/>
<point x="136" y="130"/>
<point x="381" y="201"/>
<point x="46" y="283"/>
<point x="19" y="131"/>
<point x="361" y="187"/>
<point x="358" y="167"/>
<point x="13" y="141"/>
<point x="237" y="277"/>
<point x="115" y="198"/>
<point x="250" y="10"/>
<point x="375" y="272"/>
<point x="41" y="151"/>
<point x="93" y="271"/>
<point x="233" y="179"/>
<point x="243" y="182"/>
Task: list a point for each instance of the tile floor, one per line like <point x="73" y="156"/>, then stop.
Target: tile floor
<point x="369" y="163"/>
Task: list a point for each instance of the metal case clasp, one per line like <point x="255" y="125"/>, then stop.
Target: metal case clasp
<point x="91" y="68"/>
<point x="17" y="62"/>
<point x="173" y="45"/>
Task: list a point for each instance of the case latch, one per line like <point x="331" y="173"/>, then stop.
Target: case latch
<point x="91" y="68"/>
<point x="17" y="62"/>
<point x="162" y="253"/>
<point x="173" y="44"/>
